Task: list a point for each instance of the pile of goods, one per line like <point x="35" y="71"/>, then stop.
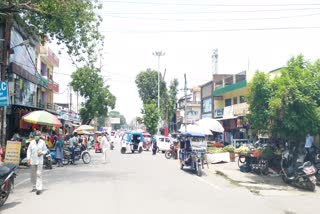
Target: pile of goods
<point x="228" y="148"/>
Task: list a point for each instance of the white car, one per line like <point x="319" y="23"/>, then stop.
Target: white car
<point x="163" y="143"/>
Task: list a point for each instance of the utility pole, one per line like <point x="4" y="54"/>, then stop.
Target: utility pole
<point x="214" y="58"/>
<point x="185" y="102"/>
<point x="158" y="54"/>
<point x="5" y="58"/>
<point x="70" y="97"/>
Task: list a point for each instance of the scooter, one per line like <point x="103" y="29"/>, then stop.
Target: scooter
<point x="7" y="175"/>
<point x="296" y="172"/>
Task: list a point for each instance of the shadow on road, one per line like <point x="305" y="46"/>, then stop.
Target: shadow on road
<point x="9" y="205"/>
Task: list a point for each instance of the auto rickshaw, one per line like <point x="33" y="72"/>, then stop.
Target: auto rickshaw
<point x="192" y="151"/>
<point x="132" y="141"/>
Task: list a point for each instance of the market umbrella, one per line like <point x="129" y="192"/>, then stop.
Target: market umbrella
<point x="42" y="118"/>
<point x="84" y="128"/>
<point x="211" y="124"/>
<point x="196" y="129"/>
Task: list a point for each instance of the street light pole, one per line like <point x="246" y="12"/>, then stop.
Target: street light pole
<point x="158" y="54"/>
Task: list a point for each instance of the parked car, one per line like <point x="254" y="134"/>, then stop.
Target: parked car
<point x="163" y="143"/>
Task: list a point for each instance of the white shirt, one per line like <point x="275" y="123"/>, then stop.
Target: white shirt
<point x="32" y="153"/>
<point x="105" y="143"/>
<point x="309" y="142"/>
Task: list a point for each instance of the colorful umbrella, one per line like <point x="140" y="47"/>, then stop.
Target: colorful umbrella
<point x="42" y="118"/>
<point x="84" y="128"/>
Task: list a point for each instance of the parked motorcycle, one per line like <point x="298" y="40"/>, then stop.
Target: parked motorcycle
<point x="295" y="171"/>
<point x="314" y="157"/>
<point x="7" y="176"/>
<point x="47" y="160"/>
<point x="172" y="152"/>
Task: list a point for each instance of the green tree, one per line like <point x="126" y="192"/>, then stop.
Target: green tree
<point x="151" y="117"/>
<point x="258" y="99"/>
<point x="72" y="22"/>
<point x="98" y="99"/>
<point x="172" y="98"/>
<point x="288" y="104"/>
<point x="147" y="83"/>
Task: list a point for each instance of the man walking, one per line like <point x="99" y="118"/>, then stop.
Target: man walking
<point x="308" y="146"/>
<point x="36" y="150"/>
<point x="105" y="145"/>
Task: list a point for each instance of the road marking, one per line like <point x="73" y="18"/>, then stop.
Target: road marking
<point x="210" y="184"/>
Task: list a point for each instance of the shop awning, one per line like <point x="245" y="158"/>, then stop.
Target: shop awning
<point x="228" y="118"/>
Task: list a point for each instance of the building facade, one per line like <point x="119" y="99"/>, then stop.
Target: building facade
<point x="30" y="79"/>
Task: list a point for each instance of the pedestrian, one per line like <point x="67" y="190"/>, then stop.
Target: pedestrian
<point x="154" y="146"/>
<point x="72" y="142"/>
<point x="59" y="151"/>
<point x="308" y="146"/>
<point x="105" y="145"/>
<point x="35" y="152"/>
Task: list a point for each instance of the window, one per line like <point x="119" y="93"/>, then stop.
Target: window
<point x="242" y="99"/>
<point x="227" y="102"/>
<point x="235" y="100"/>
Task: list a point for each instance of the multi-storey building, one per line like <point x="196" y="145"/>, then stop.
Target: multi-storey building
<point x="30" y="78"/>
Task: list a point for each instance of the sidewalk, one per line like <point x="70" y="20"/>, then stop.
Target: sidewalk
<point x="254" y="182"/>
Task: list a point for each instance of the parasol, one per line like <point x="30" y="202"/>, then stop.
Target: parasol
<point x="211" y="124"/>
<point x="42" y="118"/>
<point x="84" y="128"/>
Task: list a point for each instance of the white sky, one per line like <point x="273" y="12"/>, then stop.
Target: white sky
<point x="188" y="31"/>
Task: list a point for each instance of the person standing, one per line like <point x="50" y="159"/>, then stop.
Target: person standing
<point x="72" y="142"/>
<point x="308" y="146"/>
<point x="154" y="146"/>
<point x="35" y="152"/>
<point x="59" y="151"/>
<point x="105" y="145"/>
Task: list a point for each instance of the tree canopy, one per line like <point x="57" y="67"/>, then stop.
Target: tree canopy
<point x="72" y="22"/>
<point x="98" y="99"/>
<point x="151" y="116"/>
<point x="147" y="83"/>
<point x="288" y="105"/>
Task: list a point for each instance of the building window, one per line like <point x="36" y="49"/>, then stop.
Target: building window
<point x="242" y="99"/>
<point x="235" y="100"/>
<point x="227" y="102"/>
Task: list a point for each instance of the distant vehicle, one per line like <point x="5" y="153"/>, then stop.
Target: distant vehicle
<point x="132" y="141"/>
<point x="163" y="143"/>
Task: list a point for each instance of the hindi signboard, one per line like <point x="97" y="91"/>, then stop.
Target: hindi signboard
<point x="13" y="152"/>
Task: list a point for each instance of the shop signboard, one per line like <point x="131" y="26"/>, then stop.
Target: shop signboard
<point x="4" y="98"/>
<point x="240" y="109"/>
<point x="228" y="112"/>
<point x="13" y="152"/>
<point x="115" y="120"/>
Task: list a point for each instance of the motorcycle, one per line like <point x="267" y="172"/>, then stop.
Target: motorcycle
<point x="172" y="152"/>
<point x="7" y="175"/>
<point x="47" y="160"/>
<point x="314" y="157"/>
<point x="295" y="171"/>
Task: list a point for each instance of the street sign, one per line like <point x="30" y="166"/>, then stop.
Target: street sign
<point x="13" y="152"/>
<point x="4" y="98"/>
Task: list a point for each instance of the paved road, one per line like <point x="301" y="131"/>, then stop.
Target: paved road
<point x="135" y="183"/>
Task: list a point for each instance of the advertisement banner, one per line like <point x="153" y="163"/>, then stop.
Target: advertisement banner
<point x="115" y="120"/>
<point x="13" y="152"/>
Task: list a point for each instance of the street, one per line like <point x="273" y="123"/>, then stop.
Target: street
<point x="143" y="183"/>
